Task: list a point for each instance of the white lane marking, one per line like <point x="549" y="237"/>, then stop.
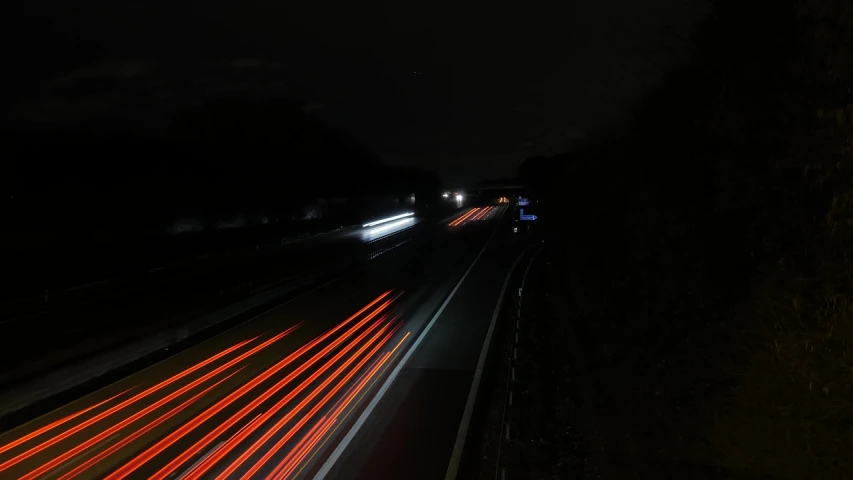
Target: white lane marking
<point x="462" y="434"/>
<point x="344" y="443"/>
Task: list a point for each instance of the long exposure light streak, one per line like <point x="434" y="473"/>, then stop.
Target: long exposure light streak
<point x="305" y="418"/>
<point x="222" y="452"/>
<point x="199" y="445"/>
<point x="56" y="439"/>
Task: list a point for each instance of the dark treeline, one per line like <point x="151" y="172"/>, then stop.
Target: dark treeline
<point x="708" y="245"/>
<point x="213" y="159"/>
<point x="99" y="198"/>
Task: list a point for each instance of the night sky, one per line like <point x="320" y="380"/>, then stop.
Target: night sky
<point x="466" y="88"/>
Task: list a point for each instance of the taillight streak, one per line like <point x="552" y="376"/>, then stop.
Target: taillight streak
<point x="305" y="444"/>
<point x="280" y="424"/>
<point x="57" y="423"/>
<point x="483" y="213"/>
<point x="302" y="449"/>
<point x="53" y="441"/>
<point x="461" y="219"/>
<point x="292" y="460"/>
<point x="355" y="390"/>
<point x="358" y="388"/>
<point x="307" y="417"/>
<point x="148" y="427"/>
<point x="154" y="406"/>
<point x="227" y="448"/>
<point x="222" y="404"/>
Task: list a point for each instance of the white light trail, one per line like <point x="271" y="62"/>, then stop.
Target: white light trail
<point x="385" y="228"/>
<point x="389" y="219"/>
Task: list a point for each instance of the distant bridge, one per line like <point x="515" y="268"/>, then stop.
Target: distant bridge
<point x="496" y="187"/>
<point x="477" y="191"/>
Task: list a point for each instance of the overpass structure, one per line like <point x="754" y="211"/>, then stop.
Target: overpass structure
<point x="477" y="191"/>
<point x="498" y="187"/>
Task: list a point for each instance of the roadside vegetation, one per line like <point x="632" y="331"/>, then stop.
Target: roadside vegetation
<point x="708" y="254"/>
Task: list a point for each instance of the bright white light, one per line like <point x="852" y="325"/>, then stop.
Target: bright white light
<point x="445" y="194"/>
<point x="390" y="226"/>
<point x="389" y="219"/>
<point x="458" y="196"/>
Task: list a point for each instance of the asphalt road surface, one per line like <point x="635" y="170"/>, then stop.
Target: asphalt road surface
<point x="166" y="296"/>
<point x="367" y="376"/>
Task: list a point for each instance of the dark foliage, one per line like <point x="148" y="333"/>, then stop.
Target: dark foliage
<point x="708" y="246"/>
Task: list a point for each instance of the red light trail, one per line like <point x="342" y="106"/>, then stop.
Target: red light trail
<point x="199" y="445"/>
<point x="307" y="417"/>
<point x="53" y="441"/>
<point x="204" y="466"/>
<point x="329" y="371"/>
<point x="461" y="219"/>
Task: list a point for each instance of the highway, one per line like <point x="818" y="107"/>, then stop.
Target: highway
<point x="170" y="294"/>
<point x="367" y="376"/>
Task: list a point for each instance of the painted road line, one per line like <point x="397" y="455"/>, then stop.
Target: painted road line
<point x="462" y="434"/>
<point x="342" y="446"/>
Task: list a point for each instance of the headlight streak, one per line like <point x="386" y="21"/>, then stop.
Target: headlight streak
<point x="389" y="219"/>
<point x="389" y="235"/>
<point x="391" y="225"/>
